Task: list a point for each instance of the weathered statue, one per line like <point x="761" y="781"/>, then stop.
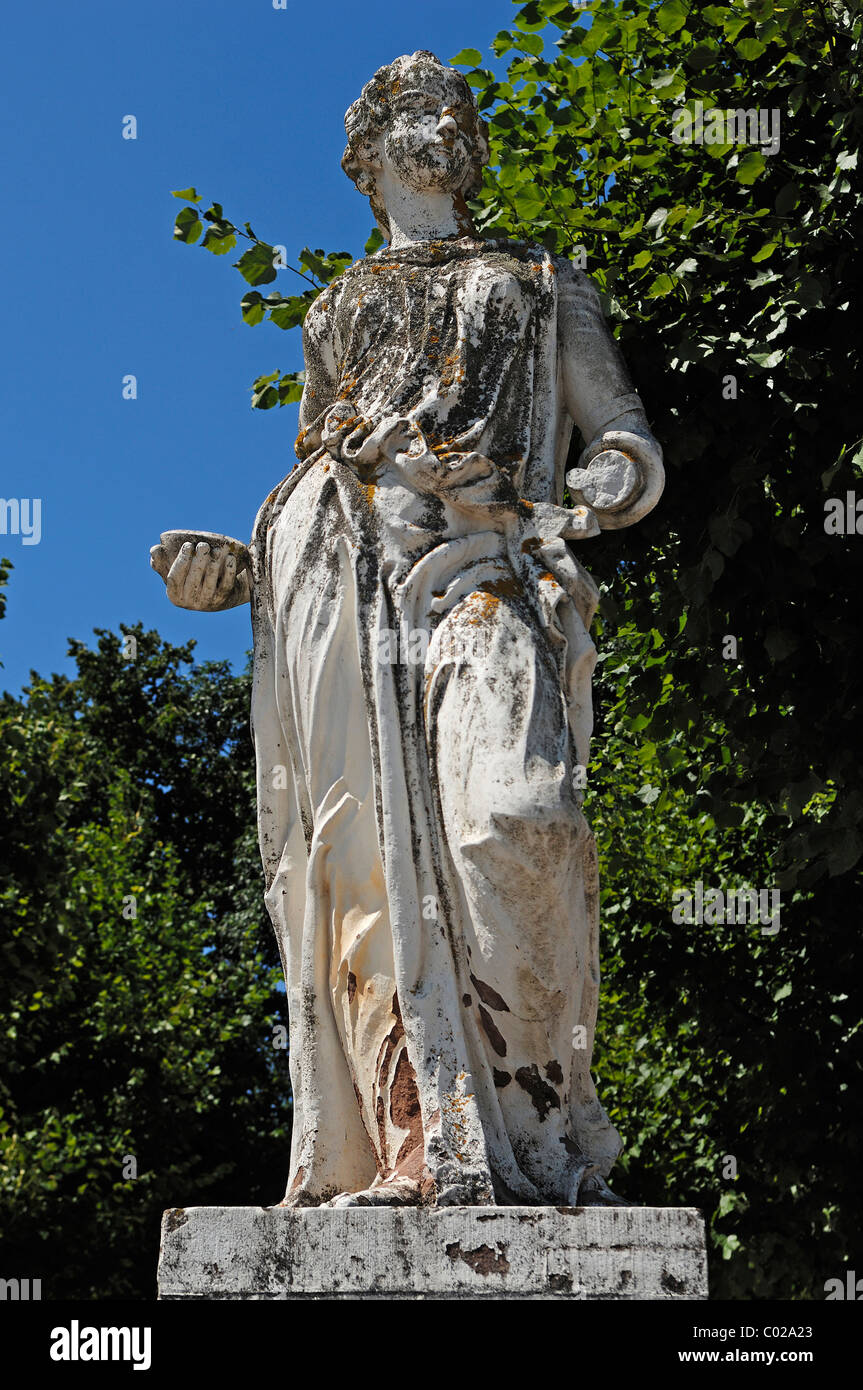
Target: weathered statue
<point x="422" y="701"/>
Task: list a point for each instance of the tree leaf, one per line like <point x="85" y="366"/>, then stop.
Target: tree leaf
<point x="671" y="16"/>
<point x="750" y="49"/>
<point x="188" y="226"/>
<point x="218" y="243"/>
<point x="751" y="167"/>
<point x="256" y="264"/>
<point x="662" y="285"/>
<point x="252" y="307"/>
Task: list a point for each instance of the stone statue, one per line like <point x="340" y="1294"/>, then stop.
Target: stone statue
<point x="422" y="687"/>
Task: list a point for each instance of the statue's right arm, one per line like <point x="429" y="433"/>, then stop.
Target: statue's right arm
<point x="321" y="370"/>
<point x="210" y="578"/>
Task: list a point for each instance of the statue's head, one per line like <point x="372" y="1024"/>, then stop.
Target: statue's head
<point x="417" y="119"/>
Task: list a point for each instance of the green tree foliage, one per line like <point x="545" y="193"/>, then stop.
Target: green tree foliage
<point x="139" y="986"/>
<point x="5" y="567"/>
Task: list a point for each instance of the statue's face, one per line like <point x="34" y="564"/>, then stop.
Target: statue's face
<point x="428" y="143"/>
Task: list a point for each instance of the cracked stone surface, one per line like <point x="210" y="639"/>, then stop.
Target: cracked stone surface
<point x="422" y="1253"/>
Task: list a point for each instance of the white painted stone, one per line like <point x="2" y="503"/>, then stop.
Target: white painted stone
<point x="443" y="1252"/>
<point x="431" y="877"/>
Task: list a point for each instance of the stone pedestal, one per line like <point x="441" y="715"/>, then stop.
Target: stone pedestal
<point x="444" y="1252"/>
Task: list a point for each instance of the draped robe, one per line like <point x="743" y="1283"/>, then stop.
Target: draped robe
<point x="421" y="707"/>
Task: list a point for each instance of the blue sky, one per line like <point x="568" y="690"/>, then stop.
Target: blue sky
<point x="245" y="102"/>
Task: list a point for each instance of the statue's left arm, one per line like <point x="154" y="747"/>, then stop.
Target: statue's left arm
<point x="620" y="474"/>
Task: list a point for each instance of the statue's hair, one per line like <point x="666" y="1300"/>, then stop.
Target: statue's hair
<point x="367" y="119"/>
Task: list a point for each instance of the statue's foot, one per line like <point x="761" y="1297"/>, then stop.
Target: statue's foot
<point x="300" y="1197"/>
<point x="586" y="1187"/>
<point x="594" y="1191"/>
<point x="392" y="1192"/>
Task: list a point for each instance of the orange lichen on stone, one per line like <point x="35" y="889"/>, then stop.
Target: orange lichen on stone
<point x="348" y="387"/>
<point x="505" y="587"/>
<point x="451" y="370"/>
<point x="484" y="604"/>
<point x="461" y="212"/>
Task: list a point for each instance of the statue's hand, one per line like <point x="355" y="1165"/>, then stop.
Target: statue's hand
<point x="208" y="577"/>
<point x="620" y="477"/>
<point x="611" y="480"/>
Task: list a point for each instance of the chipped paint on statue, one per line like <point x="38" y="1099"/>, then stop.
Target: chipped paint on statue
<point x="431" y="1053"/>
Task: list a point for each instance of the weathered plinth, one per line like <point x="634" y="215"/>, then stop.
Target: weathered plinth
<point x="444" y="1252"/>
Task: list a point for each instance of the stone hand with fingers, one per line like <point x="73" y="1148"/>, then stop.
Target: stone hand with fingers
<point x="202" y="571"/>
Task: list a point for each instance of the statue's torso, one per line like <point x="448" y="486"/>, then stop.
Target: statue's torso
<point x="459" y="340"/>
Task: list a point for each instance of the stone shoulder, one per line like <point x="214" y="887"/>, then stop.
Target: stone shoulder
<point x="320" y="318"/>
